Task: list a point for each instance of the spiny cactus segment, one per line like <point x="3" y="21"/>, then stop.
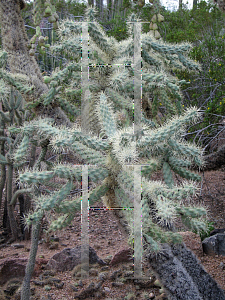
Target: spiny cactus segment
<point x="38" y="42"/>
<point x="157" y="18"/>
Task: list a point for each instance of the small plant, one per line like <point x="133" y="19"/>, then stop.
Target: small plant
<point x="47" y="287"/>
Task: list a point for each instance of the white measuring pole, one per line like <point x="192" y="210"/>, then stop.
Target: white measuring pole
<point x="137" y="168"/>
<point x="85" y="127"/>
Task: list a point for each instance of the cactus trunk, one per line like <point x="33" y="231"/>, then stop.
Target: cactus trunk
<point x="10" y="208"/>
<point x="3" y="168"/>
<point x="15" y="42"/>
<point x="25" y="291"/>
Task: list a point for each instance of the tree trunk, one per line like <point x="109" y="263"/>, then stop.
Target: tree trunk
<point x="195" y="4"/>
<point x="180" y="4"/>
<point x="10" y="208"/>
<point x="109" y="7"/>
<point x="3" y="167"/>
<point x="114" y="8"/>
<point x="5" y="219"/>
<point x="91" y="2"/>
<point x="101" y="8"/>
<point x="97" y="3"/>
<point x="117" y="11"/>
<point x="15" y="41"/>
<point x="182" y="275"/>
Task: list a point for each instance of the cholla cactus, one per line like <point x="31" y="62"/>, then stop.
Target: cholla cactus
<point x="161" y="148"/>
<point x="13" y="113"/>
<point x="157" y="147"/>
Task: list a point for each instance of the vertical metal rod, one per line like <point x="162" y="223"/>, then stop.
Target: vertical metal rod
<point x="84" y="224"/>
<point x="137" y="222"/>
<point x="85" y="127"/>
<point x="137" y="168"/>
<point x="137" y="78"/>
<point x="85" y="97"/>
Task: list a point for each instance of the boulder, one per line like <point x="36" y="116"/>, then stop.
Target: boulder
<point x="12" y="286"/>
<point x="15" y="268"/>
<point x="215" y="231"/>
<point x="182" y="275"/>
<point x="68" y="258"/>
<point x="125" y="255"/>
<point x="214" y="245"/>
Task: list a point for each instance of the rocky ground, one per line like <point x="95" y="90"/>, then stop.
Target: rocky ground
<point x="108" y="238"/>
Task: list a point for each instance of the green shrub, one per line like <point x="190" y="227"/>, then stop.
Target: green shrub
<point x="204" y="28"/>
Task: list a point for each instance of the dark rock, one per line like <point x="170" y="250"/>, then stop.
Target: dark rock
<point x="93" y="272"/>
<point x="144" y="283"/>
<point x="105" y="268"/>
<point x="74" y="288"/>
<point x="54" y="239"/>
<point x="125" y="255"/>
<point x="2" y="240"/>
<point x="41" y="277"/>
<point x="59" y="285"/>
<point x="11" y="286"/>
<point x="90" y="290"/>
<point x="68" y="258"/>
<point x="80" y="283"/>
<point x="118" y="284"/>
<point x="17" y="295"/>
<point x="98" y="285"/>
<point x="39" y="282"/>
<point x="17" y="246"/>
<point x="116" y="274"/>
<point x="215" y="231"/>
<point x="182" y="275"/>
<point x="54" y="246"/>
<point x="214" y="245"/>
<point x="57" y="280"/>
<point x="222" y="266"/>
<point x="13" y="268"/>
<point x="129" y="274"/>
<point x="102" y="276"/>
<point x="49" y="273"/>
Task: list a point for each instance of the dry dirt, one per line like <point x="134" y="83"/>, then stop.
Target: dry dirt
<point x="107" y="236"/>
